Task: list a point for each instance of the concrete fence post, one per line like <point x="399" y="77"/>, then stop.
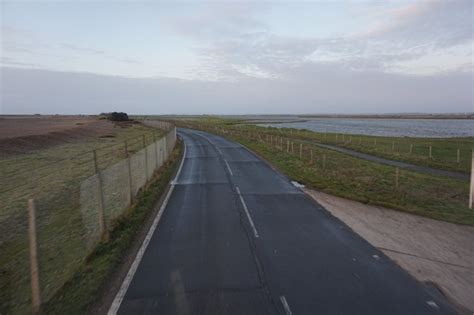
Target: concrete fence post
<point x="129" y="167"/>
<point x="301" y="150"/>
<point x="287" y="145"/>
<point x="471" y="190"/>
<point x="431" y="152"/>
<point x="457" y="156"/>
<point x="165" y="149"/>
<point x="311" y="156"/>
<point x="375" y="143"/>
<point x="100" y="194"/>
<point x="292" y="148"/>
<point x="411" y="148"/>
<point x="393" y="146"/>
<point x="34" y="267"/>
<point x="146" y="157"/>
<point x="281" y="143"/>
<point x="156" y="150"/>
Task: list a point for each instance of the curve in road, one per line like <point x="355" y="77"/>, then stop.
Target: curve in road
<point x="236" y="237"/>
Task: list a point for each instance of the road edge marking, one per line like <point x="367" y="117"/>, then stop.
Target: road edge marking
<point x="228" y="167"/>
<point x="247" y="212"/>
<point x="285" y="305"/>
<point x="114" y="307"/>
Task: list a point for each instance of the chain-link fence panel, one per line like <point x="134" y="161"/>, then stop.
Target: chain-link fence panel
<point x="69" y="196"/>
<point x="115" y="190"/>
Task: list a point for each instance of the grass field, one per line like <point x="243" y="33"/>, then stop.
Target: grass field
<point x="339" y="174"/>
<point x="444" y="151"/>
<point x="54" y="177"/>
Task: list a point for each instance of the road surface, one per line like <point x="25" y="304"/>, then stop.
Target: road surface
<point x="236" y="237"/>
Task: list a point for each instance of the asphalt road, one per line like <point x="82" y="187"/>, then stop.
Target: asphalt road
<point x="236" y="237"/>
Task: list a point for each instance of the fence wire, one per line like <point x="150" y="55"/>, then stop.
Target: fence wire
<point x="68" y="196"/>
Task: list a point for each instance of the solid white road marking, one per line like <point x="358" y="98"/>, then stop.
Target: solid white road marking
<point x="128" y="278"/>
<point x="228" y="167"/>
<point x="255" y="233"/>
<point x="285" y="305"/>
<point x="432" y="304"/>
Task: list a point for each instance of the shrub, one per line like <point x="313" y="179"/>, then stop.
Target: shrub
<point x="117" y="116"/>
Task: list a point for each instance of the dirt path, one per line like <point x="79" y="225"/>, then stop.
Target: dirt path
<point x="434" y="251"/>
<point x="408" y="166"/>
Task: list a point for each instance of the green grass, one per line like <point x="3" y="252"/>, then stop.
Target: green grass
<point x="411" y="150"/>
<point x="430" y="196"/>
<point x="54" y="177"/>
<point x="436" y="197"/>
<point x="443" y="152"/>
<point x="86" y="285"/>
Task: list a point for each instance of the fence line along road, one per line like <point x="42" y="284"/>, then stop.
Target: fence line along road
<point x="40" y="249"/>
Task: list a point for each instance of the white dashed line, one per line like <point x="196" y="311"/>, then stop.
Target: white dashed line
<point x="228" y="167"/>
<point x="247" y="212"/>
<point x="285" y="305"/>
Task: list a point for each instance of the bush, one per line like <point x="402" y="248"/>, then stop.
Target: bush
<point x="117" y="116"/>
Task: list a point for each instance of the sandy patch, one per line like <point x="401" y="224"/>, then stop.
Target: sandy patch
<point x="430" y="250"/>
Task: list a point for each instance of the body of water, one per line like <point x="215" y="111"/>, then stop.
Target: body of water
<point x="421" y="128"/>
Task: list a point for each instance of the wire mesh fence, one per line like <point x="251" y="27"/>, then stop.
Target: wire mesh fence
<point x="76" y="200"/>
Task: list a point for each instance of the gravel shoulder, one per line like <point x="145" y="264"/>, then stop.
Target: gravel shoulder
<point x="432" y="251"/>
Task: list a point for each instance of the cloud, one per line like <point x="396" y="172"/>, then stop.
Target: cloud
<point x="30" y="45"/>
<point x="314" y="88"/>
<point x="243" y="46"/>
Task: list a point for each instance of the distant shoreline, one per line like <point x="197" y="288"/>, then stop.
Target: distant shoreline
<point x="421" y="116"/>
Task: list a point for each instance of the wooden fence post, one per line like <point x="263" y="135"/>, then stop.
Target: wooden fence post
<point x="301" y="150"/>
<point x="288" y="146"/>
<point x="375" y="143"/>
<point x="397" y="174"/>
<point x="324" y="161"/>
<point x="311" y="154"/>
<point x="471" y="190"/>
<point x="129" y="166"/>
<point x="430" y="152"/>
<point x="100" y="195"/>
<point x="393" y="146"/>
<point x="34" y="267"/>
<point x="411" y="148"/>
<point x="457" y="157"/>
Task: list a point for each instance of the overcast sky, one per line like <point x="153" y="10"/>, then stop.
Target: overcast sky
<point x="166" y="57"/>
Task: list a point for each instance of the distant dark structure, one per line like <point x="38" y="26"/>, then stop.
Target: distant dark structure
<point x="116" y="116"/>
